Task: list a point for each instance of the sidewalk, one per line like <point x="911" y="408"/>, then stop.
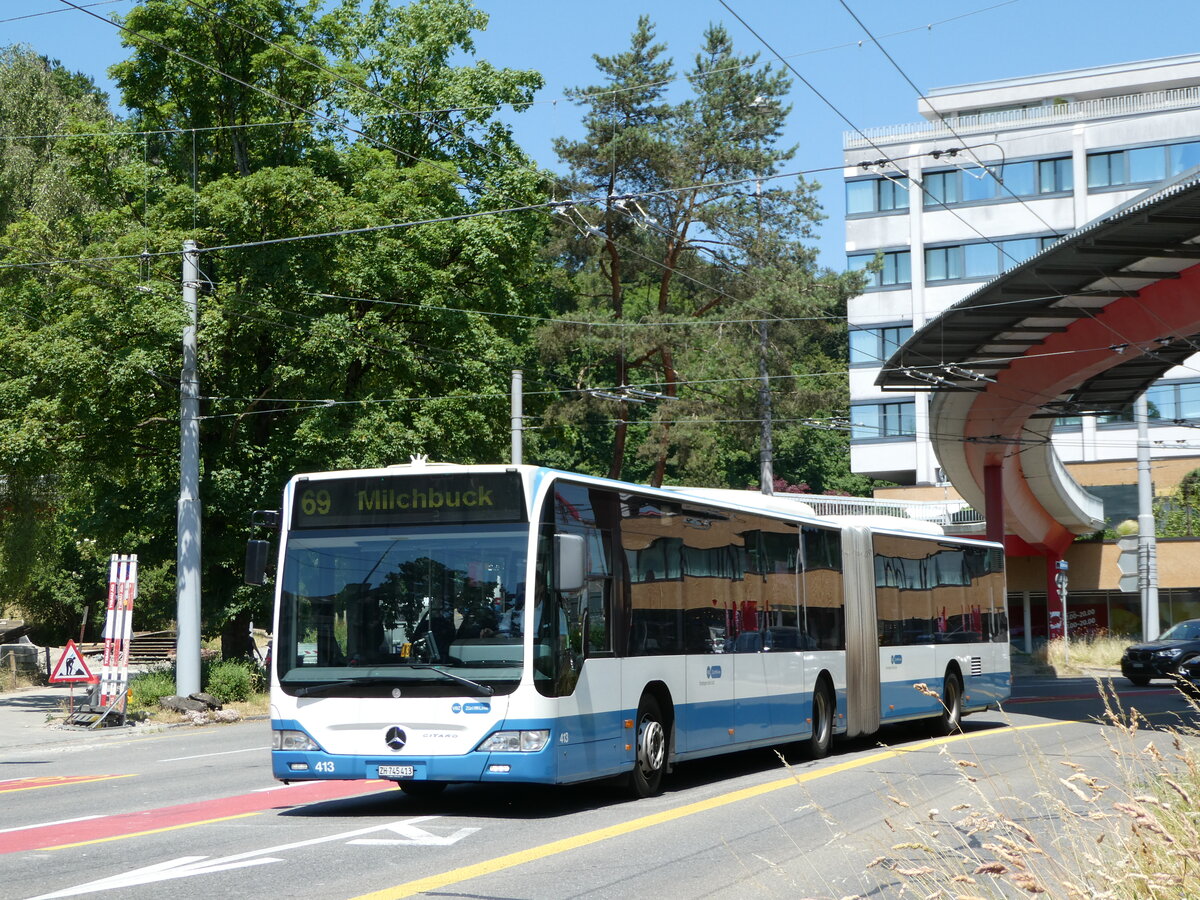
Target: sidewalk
<point x="28" y="717"/>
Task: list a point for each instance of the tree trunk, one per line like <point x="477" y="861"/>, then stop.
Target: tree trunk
<point x="235" y="637"/>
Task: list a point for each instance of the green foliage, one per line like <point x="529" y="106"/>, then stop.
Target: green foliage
<point x="232" y="680"/>
<point x="362" y="347"/>
<point x="146" y="689"/>
<point x="668" y="291"/>
<point x="314" y="354"/>
<point x="1178" y="515"/>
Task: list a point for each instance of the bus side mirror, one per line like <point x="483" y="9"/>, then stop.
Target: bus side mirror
<point x="569" y="563"/>
<point x="256" y="561"/>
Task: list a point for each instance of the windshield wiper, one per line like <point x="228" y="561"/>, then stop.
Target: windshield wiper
<point x="321" y="686"/>
<point x="485" y="689"/>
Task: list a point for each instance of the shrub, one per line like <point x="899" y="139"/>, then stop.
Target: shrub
<point x="145" y="689"/>
<point x="231" y="680"/>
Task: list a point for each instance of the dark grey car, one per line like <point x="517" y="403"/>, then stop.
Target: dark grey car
<point x="1165" y="657"/>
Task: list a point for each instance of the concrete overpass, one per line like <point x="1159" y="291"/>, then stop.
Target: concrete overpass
<point x="1083" y="327"/>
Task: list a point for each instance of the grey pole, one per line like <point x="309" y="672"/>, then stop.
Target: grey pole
<point x="1147" y="544"/>
<point x="517" y="416"/>
<point x="766" y="452"/>
<point x="187" y="527"/>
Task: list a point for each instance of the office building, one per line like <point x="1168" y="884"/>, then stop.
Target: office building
<point x="993" y="173"/>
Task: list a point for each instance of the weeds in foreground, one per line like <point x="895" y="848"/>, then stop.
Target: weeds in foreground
<point x="11" y="680"/>
<point x="1100" y="651"/>
<point x="1115" y="826"/>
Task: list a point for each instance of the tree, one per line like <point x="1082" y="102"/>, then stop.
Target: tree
<point x="40" y="100"/>
<point x="349" y="350"/>
<point x="699" y="240"/>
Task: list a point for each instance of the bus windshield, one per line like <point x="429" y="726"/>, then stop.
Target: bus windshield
<point x="431" y="611"/>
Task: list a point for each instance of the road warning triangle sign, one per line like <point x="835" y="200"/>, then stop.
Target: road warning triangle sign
<point x="70" y="667"/>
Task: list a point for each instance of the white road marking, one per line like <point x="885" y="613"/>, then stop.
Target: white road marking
<point x="185" y="866"/>
<point x="221" y="753"/>
<point x="415" y="837"/>
<point x="48" y="824"/>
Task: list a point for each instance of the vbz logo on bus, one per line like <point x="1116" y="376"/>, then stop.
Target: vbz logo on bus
<point x="714" y="671"/>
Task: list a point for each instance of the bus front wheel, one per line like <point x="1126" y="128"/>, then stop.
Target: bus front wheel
<point x="821" y="740"/>
<point x="651" y="758"/>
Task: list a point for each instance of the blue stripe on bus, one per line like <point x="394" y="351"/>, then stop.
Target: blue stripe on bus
<point x="583" y="747"/>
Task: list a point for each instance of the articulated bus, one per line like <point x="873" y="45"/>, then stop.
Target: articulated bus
<point x="438" y="623"/>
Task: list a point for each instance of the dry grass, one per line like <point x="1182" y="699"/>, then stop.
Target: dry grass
<point x="11" y="680"/>
<point x="1095" y="652"/>
<point x="1124" y="826"/>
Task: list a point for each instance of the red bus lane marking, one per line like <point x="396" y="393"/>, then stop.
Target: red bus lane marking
<point x="108" y="828"/>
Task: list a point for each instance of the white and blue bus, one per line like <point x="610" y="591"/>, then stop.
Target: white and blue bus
<point x="440" y="623"/>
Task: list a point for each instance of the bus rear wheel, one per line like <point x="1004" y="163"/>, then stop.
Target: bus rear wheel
<point x="651" y="757"/>
<point x="950" y="720"/>
<point x="821" y="740"/>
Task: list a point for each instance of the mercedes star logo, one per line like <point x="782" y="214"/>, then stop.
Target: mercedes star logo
<point x="396" y="738"/>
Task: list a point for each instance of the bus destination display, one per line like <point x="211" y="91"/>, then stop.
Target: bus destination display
<point x="457" y="499"/>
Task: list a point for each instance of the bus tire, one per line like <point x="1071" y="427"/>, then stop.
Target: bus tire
<point x="422" y="790"/>
<point x="821" y="740"/>
<point x="650" y="757"/>
<point x="950" y="719"/>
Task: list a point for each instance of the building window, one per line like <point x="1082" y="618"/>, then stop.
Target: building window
<point x="1184" y="157"/>
<point x="896" y="268"/>
<point x="943" y="263"/>
<point x="1141" y="165"/>
<point x="942" y="187"/>
<point x="878" y="421"/>
<point x="977" y="185"/>
<point x="1055" y="175"/>
<point x="1172" y="401"/>
<point x="875" y="345"/>
<point x="980" y="259"/>
<point x="876" y="195"/>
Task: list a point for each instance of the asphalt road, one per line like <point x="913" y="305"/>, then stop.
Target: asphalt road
<point x="195" y="812"/>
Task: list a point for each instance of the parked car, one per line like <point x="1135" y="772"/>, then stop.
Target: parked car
<point x="1165" y="657"/>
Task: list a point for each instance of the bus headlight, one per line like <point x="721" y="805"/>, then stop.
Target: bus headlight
<point x="288" y="739"/>
<point x="516" y="741"/>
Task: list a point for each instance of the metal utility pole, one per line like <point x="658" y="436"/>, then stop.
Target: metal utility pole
<point x="766" y="451"/>
<point x="517" y="416"/>
<point x="1147" y="544"/>
<point x="187" y="525"/>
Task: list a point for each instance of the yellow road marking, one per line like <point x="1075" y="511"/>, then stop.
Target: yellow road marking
<point x="511" y="860"/>
<point x="121" y="837"/>
<point x="33" y="784"/>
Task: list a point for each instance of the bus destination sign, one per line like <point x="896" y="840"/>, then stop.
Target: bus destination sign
<point x="452" y="499"/>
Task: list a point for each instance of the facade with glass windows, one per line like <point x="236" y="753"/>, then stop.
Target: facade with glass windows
<point x="996" y="172"/>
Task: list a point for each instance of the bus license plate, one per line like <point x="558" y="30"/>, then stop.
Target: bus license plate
<point x="397" y="771"/>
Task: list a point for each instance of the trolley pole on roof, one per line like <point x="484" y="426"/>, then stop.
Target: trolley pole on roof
<point x="187" y="523"/>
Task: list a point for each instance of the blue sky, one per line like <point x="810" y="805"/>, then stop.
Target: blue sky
<point x="937" y="43"/>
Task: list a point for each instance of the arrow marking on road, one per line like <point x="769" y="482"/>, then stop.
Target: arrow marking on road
<point x="416" y="837"/>
<point x="186" y="866"/>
